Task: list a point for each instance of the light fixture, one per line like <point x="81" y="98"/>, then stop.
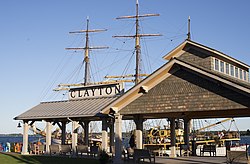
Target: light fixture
<point x="143" y="90"/>
<point x="19" y="124"/>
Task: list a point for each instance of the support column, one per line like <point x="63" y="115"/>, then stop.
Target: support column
<point x="104" y="134"/>
<point x="112" y="135"/>
<point x="63" y="132"/>
<point x="75" y="126"/>
<point x="186" y="131"/>
<point x="118" y="138"/>
<point x="25" y="138"/>
<point x="86" y="132"/>
<point x="172" y="138"/>
<point x="48" y="136"/>
<point x="138" y="132"/>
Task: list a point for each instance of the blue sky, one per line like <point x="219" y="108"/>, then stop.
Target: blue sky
<point x="34" y="35"/>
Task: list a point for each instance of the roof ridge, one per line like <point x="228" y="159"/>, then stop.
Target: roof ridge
<point x="104" y="97"/>
<point x="220" y="52"/>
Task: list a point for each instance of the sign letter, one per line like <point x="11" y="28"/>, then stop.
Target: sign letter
<point x="72" y="94"/>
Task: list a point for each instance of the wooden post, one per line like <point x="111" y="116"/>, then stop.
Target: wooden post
<point x="172" y="137"/>
<point x="48" y="136"/>
<point x="63" y="132"/>
<point x="138" y="133"/>
<point x="86" y="132"/>
<point x="186" y="131"/>
<point x="104" y="134"/>
<point x="74" y="136"/>
<point x="25" y="138"/>
<point x="118" y="138"/>
<point x="112" y="135"/>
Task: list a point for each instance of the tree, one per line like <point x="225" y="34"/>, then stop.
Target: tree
<point x="248" y="132"/>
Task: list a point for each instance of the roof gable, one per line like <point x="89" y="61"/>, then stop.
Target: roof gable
<point x="179" y="50"/>
<point x="184" y="91"/>
<point x="160" y="75"/>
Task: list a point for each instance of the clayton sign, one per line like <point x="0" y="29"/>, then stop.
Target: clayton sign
<point x="96" y="91"/>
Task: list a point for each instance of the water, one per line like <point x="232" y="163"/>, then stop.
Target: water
<point x="18" y="139"/>
<point x="245" y="140"/>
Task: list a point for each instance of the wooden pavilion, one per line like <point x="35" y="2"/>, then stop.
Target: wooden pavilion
<point x="196" y="82"/>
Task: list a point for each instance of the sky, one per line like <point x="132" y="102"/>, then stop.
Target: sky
<point x="34" y="35"/>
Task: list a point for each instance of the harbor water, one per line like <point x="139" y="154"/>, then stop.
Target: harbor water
<point x="18" y="139"/>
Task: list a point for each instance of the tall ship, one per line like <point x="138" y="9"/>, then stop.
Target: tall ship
<point x="218" y="132"/>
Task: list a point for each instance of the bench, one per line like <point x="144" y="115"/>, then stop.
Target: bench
<point x="66" y="150"/>
<point x="237" y="157"/>
<point x="156" y="149"/>
<point x="54" y="149"/>
<point x="33" y="149"/>
<point x="208" y="148"/>
<point x="60" y="150"/>
<point x="82" y="149"/>
<point x="40" y="149"/>
<point x="143" y="154"/>
<point x="184" y="150"/>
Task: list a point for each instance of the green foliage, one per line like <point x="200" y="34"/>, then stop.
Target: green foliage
<point x="245" y="133"/>
<point x="248" y="132"/>
<point x="12" y="158"/>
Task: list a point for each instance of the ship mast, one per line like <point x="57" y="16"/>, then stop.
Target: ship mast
<point x="86" y="57"/>
<point x="137" y="46"/>
<point x="137" y="37"/>
<point x="86" y="49"/>
<point x="86" y="60"/>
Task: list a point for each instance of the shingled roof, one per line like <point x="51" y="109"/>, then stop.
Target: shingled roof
<point x="178" y="51"/>
<point x="164" y="72"/>
<point x="63" y="109"/>
<point x="96" y="106"/>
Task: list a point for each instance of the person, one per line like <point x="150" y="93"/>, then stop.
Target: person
<point x="221" y="135"/>
<point x="7" y="147"/>
<point x="158" y="140"/>
<point x="132" y="141"/>
<point x="39" y="142"/>
<point x="1" y="147"/>
<point x="17" y="148"/>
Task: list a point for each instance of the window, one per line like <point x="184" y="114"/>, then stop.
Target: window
<point x="231" y="70"/>
<point x="222" y="66"/>
<point x="216" y="64"/>
<point x="227" y="68"/>
<point x="244" y="75"/>
<point x="241" y="74"/>
<point x="236" y="72"/>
